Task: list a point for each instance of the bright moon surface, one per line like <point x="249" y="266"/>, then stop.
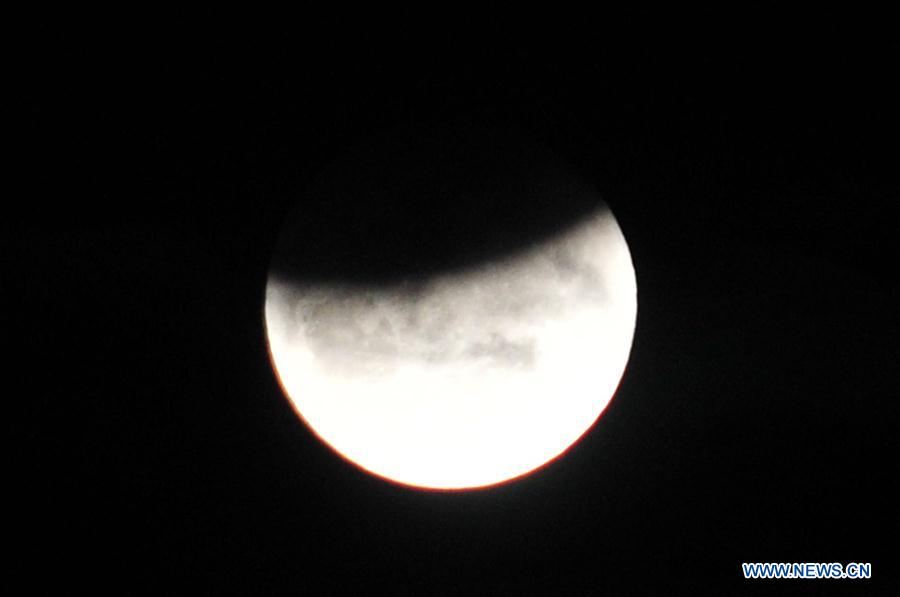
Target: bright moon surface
<point x="466" y="379"/>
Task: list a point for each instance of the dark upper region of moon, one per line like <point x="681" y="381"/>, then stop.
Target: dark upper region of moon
<point x="427" y="199"/>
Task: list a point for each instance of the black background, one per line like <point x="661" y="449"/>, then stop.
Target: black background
<point x="750" y="161"/>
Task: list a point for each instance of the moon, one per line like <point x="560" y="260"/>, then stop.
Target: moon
<point x="450" y="306"/>
<point x="464" y="379"/>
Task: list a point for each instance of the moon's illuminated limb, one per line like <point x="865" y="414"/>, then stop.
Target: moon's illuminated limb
<point x="468" y="379"/>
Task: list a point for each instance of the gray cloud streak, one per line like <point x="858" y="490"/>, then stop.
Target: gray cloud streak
<point x="488" y="316"/>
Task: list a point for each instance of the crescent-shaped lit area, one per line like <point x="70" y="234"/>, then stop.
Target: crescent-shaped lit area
<point x="465" y="378"/>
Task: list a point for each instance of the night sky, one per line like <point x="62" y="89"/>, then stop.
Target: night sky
<point x="752" y="167"/>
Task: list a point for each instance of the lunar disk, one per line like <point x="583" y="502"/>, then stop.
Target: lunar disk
<point x="462" y="379"/>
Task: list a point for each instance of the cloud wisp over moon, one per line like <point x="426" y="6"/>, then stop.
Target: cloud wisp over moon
<point x="491" y="313"/>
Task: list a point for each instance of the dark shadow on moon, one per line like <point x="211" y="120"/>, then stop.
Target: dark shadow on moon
<point x="426" y="200"/>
